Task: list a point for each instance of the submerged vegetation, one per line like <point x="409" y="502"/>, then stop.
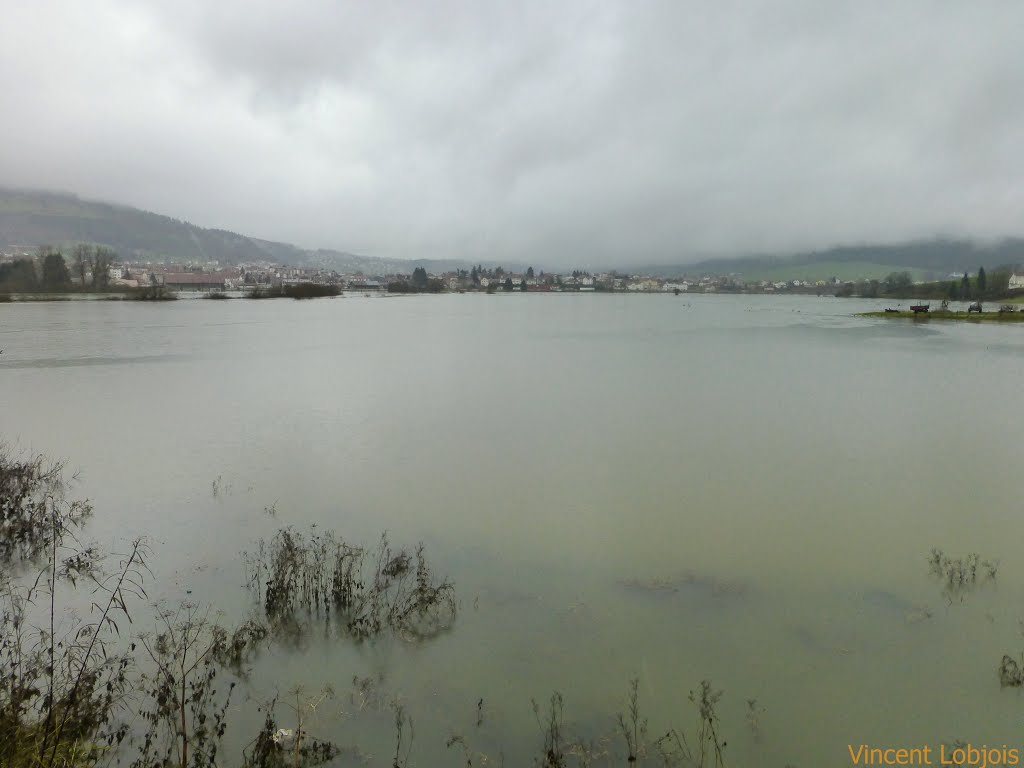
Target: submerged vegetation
<point x="86" y="691"/>
<point x="298" y="576"/>
<point x="34" y="513"/>
<point x="83" y="691"/>
<point x="66" y="677"/>
<point x="1011" y="673"/>
<point x="960" y="575"/>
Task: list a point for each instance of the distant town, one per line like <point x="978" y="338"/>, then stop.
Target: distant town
<point x="97" y="268"/>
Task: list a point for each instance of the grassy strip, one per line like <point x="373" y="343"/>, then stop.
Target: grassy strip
<point x="972" y="317"/>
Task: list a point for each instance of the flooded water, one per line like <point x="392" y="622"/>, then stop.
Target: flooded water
<point x="743" y="489"/>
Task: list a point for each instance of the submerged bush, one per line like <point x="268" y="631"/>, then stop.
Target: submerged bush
<point x="960" y="575"/>
<point x="1011" y="674"/>
<point x="34" y="514"/>
<point x="65" y="677"/>
<point x="363" y="591"/>
<point x="276" y="747"/>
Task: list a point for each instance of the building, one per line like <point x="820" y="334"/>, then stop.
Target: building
<point x="1016" y="281"/>
<point x="360" y="284"/>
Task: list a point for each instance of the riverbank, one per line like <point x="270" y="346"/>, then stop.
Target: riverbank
<point x="971" y="317"/>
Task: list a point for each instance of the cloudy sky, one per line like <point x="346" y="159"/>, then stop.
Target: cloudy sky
<point x="556" y="132"/>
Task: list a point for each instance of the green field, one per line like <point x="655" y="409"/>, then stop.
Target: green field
<point x="843" y="270"/>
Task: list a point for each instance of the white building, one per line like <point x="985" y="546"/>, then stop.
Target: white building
<point x="1016" y="281"/>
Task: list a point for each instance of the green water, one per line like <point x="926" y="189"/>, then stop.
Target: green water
<point x="547" y="449"/>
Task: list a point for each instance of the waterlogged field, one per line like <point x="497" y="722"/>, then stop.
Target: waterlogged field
<point x="746" y="490"/>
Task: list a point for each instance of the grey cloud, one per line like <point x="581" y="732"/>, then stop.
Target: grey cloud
<point x="562" y="133"/>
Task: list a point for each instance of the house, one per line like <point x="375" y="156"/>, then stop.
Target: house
<point x="1016" y="281"/>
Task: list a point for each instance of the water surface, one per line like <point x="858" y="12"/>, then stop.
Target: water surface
<point x="780" y="467"/>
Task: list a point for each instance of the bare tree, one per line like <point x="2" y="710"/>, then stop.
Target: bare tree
<point x="101" y="261"/>
<point x="81" y="260"/>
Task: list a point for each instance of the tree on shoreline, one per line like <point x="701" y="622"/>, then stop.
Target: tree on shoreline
<point x="897" y="282"/>
<point x="54" y="270"/>
<point x="101" y="260"/>
<point x="81" y="259"/>
<point x="19" y="275"/>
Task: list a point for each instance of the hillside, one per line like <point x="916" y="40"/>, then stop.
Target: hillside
<point x="924" y="259"/>
<point x="30" y="218"/>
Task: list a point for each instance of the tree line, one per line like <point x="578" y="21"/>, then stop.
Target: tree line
<point x="49" y="271"/>
<point x="900" y="285"/>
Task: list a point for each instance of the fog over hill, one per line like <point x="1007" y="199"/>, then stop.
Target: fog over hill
<point x="32" y="218"/>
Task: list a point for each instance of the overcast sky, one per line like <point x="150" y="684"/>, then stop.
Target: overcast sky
<point x="553" y="132"/>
